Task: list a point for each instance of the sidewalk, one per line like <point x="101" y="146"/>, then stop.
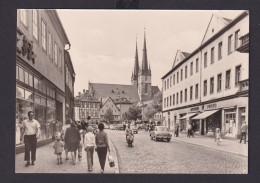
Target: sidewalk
<point x="46" y="162"/>
<point x="227" y="145"/>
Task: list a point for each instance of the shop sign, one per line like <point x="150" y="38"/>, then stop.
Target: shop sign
<point x="211" y="106"/>
<point x="195" y="109"/>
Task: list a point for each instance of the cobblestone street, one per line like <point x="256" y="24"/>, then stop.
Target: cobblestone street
<point x="148" y="156"/>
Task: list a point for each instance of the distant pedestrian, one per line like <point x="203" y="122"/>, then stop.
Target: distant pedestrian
<point x="89" y="145"/>
<point x="72" y="140"/>
<point x="57" y="129"/>
<point x="31" y="129"/>
<point x="64" y="128"/>
<point x="244" y="128"/>
<point x="58" y="149"/>
<point x="102" y="146"/>
<point x="218" y="136"/>
<point x="176" y="133"/>
<point x="193" y="129"/>
<point x="189" y="130"/>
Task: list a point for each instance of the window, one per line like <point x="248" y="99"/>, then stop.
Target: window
<point x="181" y="97"/>
<point x="35" y="24"/>
<point x="26" y="78"/>
<point x="212" y="55"/>
<point x="50" y="45"/>
<point x="171" y="81"/>
<point x="177" y="77"/>
<point x="191" y="92"/>
<point x="230" y="44"/>
<point x="91" y="105"/>
<point x="228" y="79"/>
<point x="220" y="50"/>
<point x="170" y="100"/>
<point x="177" y="98"/>
<point x="236" y="38"/>
<point x="205" y="59"/>
<point x="55" y="54"/>
<point x="59" y="60"/>
<point x="23" y="16"/>
<point x="43" y="35"/>
<point x="186" y="70"/>
<point x="205" y="88"/>
<point x="174" y="79"/>
<point x="30" y="80"/>
<point x="191" y="68"/>
<point x="167" y="101"/>
<point x="197" y="65"/>
<point x="36" y="83"/>
<point x="238" y="74"/>
<point x="212" y="85"/>
<point x="219" y="82"/>
<point x="185" y="95"/>
<point x="167" y="83"/>
<point x="145" y="88"/>
<point x="181" y="74"/>
<point x="164" y="85"/>
<point x="145" y="78"/>
<point x="164" y="102"/>
<point x="197" y="91"/>
<point x="21" y="74"/>
<point x="173" y="99"/>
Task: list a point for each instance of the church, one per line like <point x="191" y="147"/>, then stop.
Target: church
<point x="141" y="88"/>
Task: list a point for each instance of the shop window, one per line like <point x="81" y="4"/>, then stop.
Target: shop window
<point x="19" y="92"/>
<point x="44" y="88"/>
<point x="21" y="74"/>
<point x="36" y="83"/>
<point x="43" y="101"/>
<point x="30" y="80"/>
<point x="28" y="95"/>
<point x="230" y="118"/>
<point x="40" y="116"/>
<point x="37" y="99"/>
<point x="40" y="86"/>
<point x="26" y="77"/>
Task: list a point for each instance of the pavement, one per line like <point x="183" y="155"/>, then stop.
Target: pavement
<point x="227" y="145"/>
<point x="46" y="162"/>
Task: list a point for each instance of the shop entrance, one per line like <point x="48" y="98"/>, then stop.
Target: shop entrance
<point x="202" y="127"/>
<point x="59" y="111"/>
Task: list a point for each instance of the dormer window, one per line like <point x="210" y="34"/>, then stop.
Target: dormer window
<point x="112" y="91"/>
<point x="212" y="30"/>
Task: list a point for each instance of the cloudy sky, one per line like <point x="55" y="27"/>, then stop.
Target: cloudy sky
<point x="103" y="41"/>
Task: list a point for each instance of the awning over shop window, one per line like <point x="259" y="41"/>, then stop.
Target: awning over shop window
<point x="205" y="114"/>
<point x="188" y="115"/>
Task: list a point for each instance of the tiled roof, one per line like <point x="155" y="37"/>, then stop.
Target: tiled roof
<point x="122" y="101"/>
<point x="115" y="91"/>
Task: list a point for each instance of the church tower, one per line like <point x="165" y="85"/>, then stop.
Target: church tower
<point x="134" y="78"/>
<point x="144" y="77"/>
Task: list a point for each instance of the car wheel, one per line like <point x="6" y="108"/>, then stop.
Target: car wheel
<point x="168" y="140"/>
<point x="156" y="139"/>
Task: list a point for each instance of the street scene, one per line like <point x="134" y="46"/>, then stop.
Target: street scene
<point x="132" y="92"/>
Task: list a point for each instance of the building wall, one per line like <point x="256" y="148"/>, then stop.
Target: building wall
<point x="110" y="104"/>
<point x="141" y="86"/>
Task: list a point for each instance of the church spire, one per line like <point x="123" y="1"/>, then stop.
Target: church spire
<point x="144" y="61"/>
<point x="136" y="67"/>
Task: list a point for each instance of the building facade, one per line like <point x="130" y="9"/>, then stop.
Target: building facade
<point x="40" y="82"/>
<point x="109" y="104"/>
<point x="209" y="87"/>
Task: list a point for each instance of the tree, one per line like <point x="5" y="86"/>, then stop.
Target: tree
<point x="149" y="113"/>
<point x="133" y="113"/>
<point x="108" y="116"/>
<point x="157" y="102"/>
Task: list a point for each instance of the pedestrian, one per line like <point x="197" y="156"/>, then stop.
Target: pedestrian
<point x="177" y="130"/>
<point x="102" y="146"/>
<point x="58" y="149"/>
<point x="189" y="130"/>
<point x="31" y="129"/>
<point x="64" y="128"/>
<point x="57" y="129"/>
<point x="72" y="140"/>
<point x="193" y="128"/>
<point x="244" y="128"/>
<point x="218" y="136"/>
<point x="89" y="145"/>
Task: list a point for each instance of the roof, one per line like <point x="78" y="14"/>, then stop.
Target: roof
<point x="227" y="19"/>
<point x="179" y="57"/>
<point x="185" y="54"/>
<point x="122" y="100"/>
<point x="155" y="90"/>
<point x="115" y="91"/>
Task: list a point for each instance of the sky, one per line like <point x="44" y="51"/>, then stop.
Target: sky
<point x="103" y="42"/>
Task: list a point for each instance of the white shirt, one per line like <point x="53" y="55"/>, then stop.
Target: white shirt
<point x="31" y="127"/>
<point x="89" y="139"/>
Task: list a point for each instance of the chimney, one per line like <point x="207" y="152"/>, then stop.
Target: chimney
<point x="79" y="93"/>
<point x="84" y="90"/>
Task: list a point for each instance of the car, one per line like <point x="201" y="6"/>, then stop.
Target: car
<point x="119" y="127"/>
<point x="112" y="127"/>
<point x="160" y="133"/>
<point x="106" y="126"/>
<point x="134" y="128"/>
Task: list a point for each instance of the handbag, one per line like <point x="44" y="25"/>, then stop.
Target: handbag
<point x="111" y="160"/>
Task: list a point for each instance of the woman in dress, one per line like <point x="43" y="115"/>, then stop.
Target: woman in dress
<point x="72" y="140"/>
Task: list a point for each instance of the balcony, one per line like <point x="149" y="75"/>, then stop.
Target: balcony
<point x="243" y="87"/>
<point x="244" y="48"/>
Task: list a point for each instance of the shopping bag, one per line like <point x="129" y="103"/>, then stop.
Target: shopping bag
<point x="111" y="160"/>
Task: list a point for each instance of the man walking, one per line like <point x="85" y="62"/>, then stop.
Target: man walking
<point x="244" y="128"/>
<point x="31" y="131"/>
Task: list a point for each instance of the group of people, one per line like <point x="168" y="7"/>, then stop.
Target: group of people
<point x="75" y="135"/>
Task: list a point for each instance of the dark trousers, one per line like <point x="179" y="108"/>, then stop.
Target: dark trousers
<point x="90" y="151"/>
<point x="243" y="135"/>
<point x="30" y="142"/>
<point x="102" y="154"/>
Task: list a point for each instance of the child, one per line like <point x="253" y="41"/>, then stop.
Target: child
<point x="58" y="148"/>
<point x="218" y="135"/>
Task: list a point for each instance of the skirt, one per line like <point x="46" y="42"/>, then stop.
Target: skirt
<point x="72" y="147"/>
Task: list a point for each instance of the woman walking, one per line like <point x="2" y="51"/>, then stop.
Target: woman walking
<point x="102" y="146"/>
<point x="89" y="144"/>
<point x="72" y="140"/>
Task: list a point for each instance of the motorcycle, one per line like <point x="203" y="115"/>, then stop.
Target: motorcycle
<point x="130" y="140"/>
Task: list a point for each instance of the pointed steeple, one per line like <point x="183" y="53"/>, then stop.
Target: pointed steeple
<point x="136" y="67"/>
<point x="144" y="61"/>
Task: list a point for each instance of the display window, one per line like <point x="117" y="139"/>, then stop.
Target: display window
<point x="230" y="119"/>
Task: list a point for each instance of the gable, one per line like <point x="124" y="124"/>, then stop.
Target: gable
<point x="180" y="56"/>
<point x="216" y="23"/>
<point x="109" y="104"/>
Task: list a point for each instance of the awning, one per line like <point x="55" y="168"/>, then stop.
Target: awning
<point x="205" y="114"/>
<point x="188" y="115"/>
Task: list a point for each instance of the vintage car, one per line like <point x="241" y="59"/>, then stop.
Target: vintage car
<point x="160" y="133"/>
<point x="134" y="128"/>
<point x="112" y="127"/>
<point x="119" y="127"/>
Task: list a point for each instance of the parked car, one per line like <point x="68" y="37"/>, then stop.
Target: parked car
<point x="106" y="126"/>
<point x="134" y="128"/>
<point x="112" y="127"/>
<point x="119" y="127"/>
<point x="160" y="133"/>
